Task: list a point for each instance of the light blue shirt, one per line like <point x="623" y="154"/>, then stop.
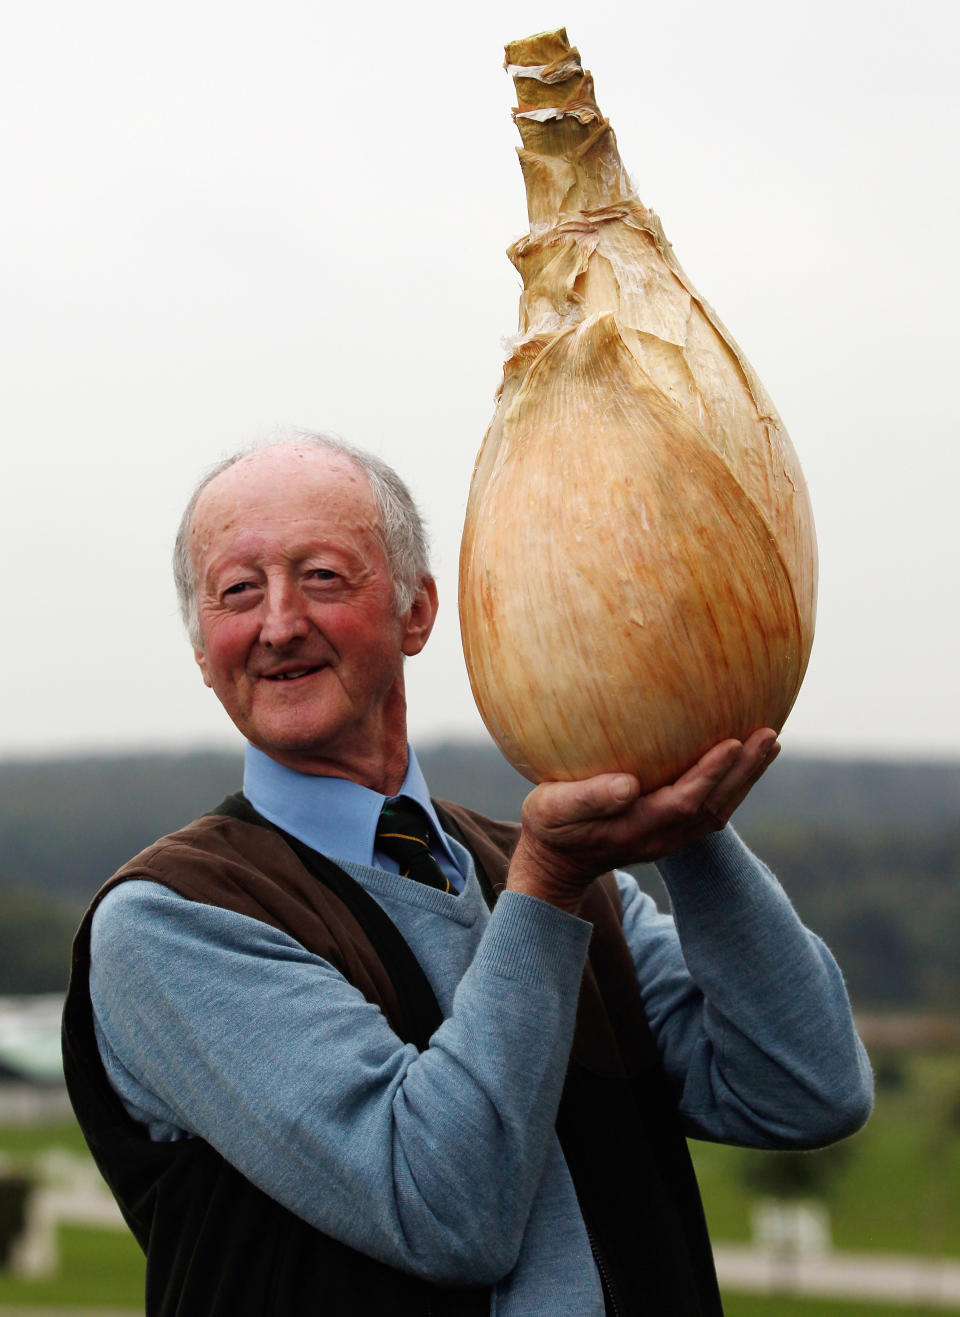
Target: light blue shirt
<point x="337" y="817"/>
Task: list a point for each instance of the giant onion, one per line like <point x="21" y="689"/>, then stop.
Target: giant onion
<point x="638" y="565"/>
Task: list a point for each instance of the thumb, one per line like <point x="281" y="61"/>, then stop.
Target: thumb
<point x="553" y="805"/>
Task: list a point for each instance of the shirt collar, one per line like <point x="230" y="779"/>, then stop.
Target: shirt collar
<point x="336" y="817"/>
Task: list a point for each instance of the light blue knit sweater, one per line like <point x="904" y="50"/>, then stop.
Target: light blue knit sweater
<point x="445" y="1163"/>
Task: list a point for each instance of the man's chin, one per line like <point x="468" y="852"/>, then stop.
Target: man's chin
<point x="276" y="741"/>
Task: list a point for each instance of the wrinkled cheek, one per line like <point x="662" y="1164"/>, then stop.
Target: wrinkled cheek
<point x="233" y="689"/>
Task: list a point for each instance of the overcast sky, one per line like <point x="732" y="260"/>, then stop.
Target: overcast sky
<point x="224" y="217"/>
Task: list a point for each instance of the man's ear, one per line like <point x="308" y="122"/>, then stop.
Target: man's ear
<point x="201" y="661"/>
<point x="421" y="617"/>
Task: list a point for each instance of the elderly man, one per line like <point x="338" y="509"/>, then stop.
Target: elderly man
<point x="323" y="1072"/>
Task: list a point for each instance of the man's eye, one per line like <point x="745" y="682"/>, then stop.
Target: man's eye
<point x="238" y="588"/>
<point x="323" y="574"/>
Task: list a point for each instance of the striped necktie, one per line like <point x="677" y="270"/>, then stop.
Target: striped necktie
<point x="403" y="833"/>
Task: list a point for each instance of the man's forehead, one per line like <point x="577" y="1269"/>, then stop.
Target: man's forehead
<point x="287" y="489"/>
<point x="276" y="479"/>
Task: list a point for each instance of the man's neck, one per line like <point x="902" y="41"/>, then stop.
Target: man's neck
<point x="385" y="775"/>
<point x="376" y="760"/>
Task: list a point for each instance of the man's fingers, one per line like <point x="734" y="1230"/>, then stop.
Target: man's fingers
<point x="718" y="781"/>
<point x="759" y="752"/>
<point x="606" y="815"/>
<point x="685" y="797"/>
<point x="712" y="768"/>
<point x="761" y="745"/>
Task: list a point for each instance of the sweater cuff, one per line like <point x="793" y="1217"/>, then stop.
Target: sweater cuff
<point x="718" y="867"/>
<point x="532" y="942"/>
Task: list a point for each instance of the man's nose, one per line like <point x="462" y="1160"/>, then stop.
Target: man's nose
<point x="284" y="619"/>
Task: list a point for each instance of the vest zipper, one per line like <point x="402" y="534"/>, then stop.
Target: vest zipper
<point x="606" y="1280"/>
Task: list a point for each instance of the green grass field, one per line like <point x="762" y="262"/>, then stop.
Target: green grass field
<point x="781" y="1305"/>
<point x="894" y="1188"/>
<point x="98" y="1269"/>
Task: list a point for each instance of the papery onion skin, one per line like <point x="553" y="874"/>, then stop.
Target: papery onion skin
<point x="638" y="565"/>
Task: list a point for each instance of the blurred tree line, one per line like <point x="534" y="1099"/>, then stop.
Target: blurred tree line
<point x="868" y="851"/>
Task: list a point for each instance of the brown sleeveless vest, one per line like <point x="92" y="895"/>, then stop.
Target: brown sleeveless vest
<point x="218" y="1246"/>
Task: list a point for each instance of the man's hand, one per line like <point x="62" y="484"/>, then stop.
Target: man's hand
<point x="574" y="831"/>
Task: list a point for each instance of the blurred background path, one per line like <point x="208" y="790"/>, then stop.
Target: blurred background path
<point x="926" y="1283"/>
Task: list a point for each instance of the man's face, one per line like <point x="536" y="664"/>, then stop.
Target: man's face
<point x="301" y="641"/>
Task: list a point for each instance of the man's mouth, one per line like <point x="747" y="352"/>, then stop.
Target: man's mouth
<point x="292" y="674"/>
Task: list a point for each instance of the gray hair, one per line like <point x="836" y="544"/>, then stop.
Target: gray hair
<point x="401" y="526"/>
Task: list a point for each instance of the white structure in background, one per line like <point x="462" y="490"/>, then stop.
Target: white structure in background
<point x="67" y="1187"/>
<point x="31" y="1071"/>
<point x="791" y="1254"/>
<point x="68" y="1190"/>
<point x="795" y="1227"/>
<point x="914" y="1283"/>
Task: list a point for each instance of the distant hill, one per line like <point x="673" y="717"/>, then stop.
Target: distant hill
<point x="856" y="793"/>
<point x="868" y="850"/>
<point x="68" y="823"/>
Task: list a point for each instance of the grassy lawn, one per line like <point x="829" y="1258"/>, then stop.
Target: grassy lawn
<point x="781" y="1305"/>
<point x="98" y="1268"/>
<point x="23" y="1143"/>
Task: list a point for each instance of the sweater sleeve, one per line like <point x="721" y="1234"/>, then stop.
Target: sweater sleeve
<point x="748" y="1007"/>
<point x="215" y="1025"/>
